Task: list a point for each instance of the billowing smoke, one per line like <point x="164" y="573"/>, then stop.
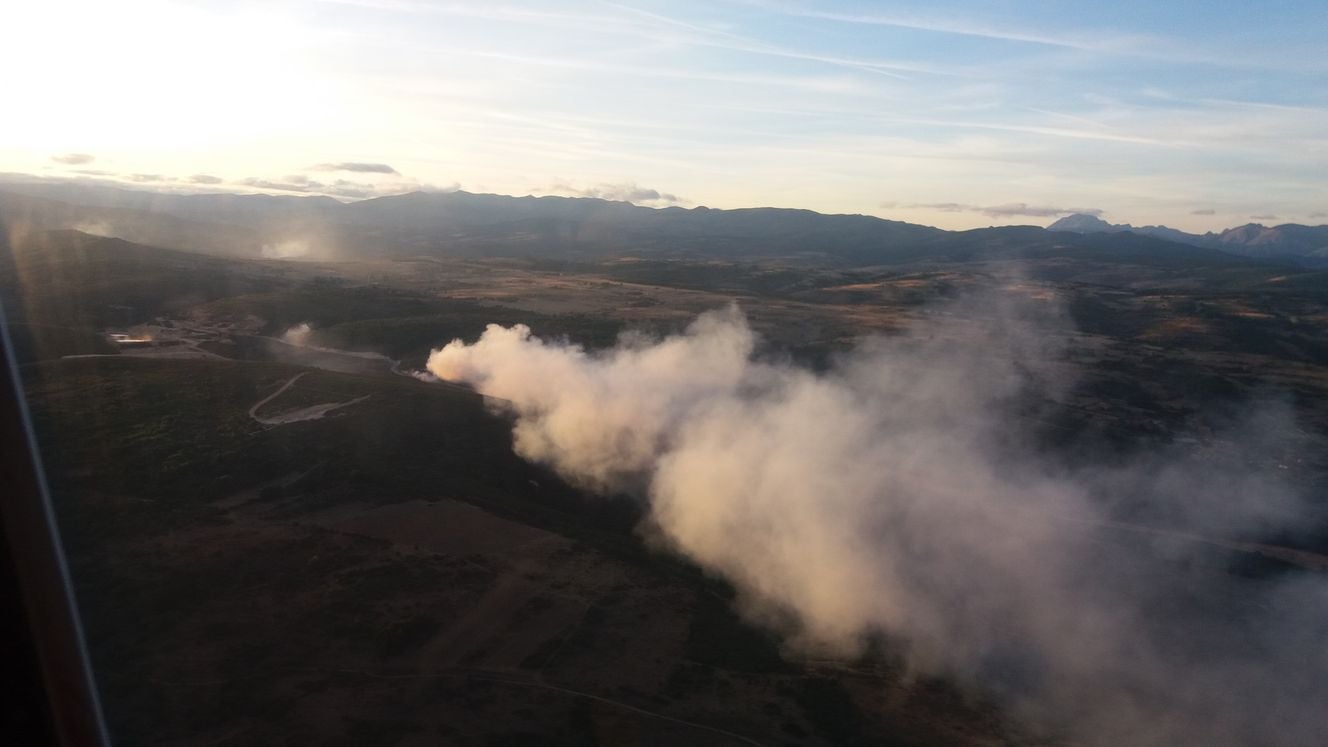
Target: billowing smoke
<point x="898" y="497"/>
<point x="603" y="421"/>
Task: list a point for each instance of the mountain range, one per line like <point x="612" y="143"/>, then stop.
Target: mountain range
<point x="1291" y="242"/>
<point x="461" y="223"/>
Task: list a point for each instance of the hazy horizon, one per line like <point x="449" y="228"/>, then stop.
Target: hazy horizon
<point x="240" y="190"/>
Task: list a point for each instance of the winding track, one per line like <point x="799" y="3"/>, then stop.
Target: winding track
<point x="313" y="412"/>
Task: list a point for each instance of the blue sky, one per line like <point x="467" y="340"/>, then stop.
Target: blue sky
<point x="958" y="114"/>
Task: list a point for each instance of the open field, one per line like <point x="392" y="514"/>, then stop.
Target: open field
<point x="390" y="572"/>
<point x="248" y="588"/>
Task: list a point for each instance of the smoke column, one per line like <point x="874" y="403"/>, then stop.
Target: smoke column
<point x="298" y="335"/>
<point x="895" y="495"/>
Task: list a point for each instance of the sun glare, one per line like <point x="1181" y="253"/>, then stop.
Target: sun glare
<point x="158" y="77"/>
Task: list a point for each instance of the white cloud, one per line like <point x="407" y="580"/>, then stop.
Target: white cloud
<point x="358" y="167"/>
<point x="74" y="159"/>
<point x="1002" y="211"/>
<point x="622" y="192"/>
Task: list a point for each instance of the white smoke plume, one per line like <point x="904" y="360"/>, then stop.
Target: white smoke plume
<point x="298" y="334"/>
<point x="602" y="420"/>
<point x="285" y="249"/>
<point x="95" y="228"/>
<point x="894" y="496"/>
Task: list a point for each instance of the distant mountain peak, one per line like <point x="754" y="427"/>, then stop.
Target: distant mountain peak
<point x="1084" y="223"/>
<point x="1306" y="245"/>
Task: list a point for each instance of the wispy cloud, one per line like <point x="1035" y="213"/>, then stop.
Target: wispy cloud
<point x="710" y="37"/>
<point x="205" y="179"/>
<point x="1265" y="216"/>
<point x="1061" y="132"/>
<point x="74" y="159"/>
<point x="1009" y="210"/>
<point x="623" y="192"/>
<point x="917" y="23"/>
<point x="1070" y="118"/>
<point x="1098" y="41"/>
<point x="491" y="11"/>
<point x="150" y="178"/>
<point x="1203" y="211"/>
<point x="1265" y="105"/>
<point x="817" y="83"/>
<point x="290" y="183"/>
<point x="301" y="184"/>
<point x="358" y="167"/>
<point x="653" y="26"/>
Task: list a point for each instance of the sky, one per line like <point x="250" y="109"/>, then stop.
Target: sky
<point x="954" y="113"/>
